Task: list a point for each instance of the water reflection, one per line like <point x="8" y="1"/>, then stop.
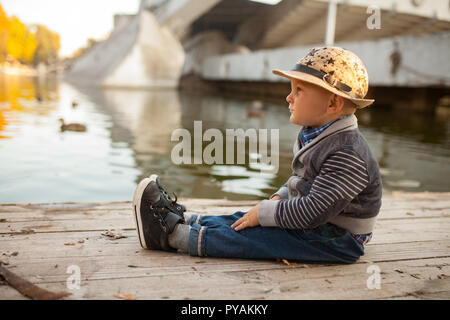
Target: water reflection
<point x="146" y="120"/>
<point x="413" y="150"/>
<point x="129" y="137"/>
<point x="24" y="95"/>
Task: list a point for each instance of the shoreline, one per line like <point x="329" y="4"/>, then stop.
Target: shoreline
<point x="17" y="71"/>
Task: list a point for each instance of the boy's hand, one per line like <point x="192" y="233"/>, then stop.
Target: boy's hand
<point x="275" y="197"/>
<point x="250" y="219"/>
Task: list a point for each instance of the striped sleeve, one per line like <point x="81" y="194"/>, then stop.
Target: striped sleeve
<point x="283" y="192"/>
<point x="341" y="178"/>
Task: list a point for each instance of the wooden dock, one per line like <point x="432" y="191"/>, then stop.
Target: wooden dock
<point x="46" y="243"/>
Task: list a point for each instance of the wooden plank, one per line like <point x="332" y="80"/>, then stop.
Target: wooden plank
<point x="411" y="247"/>
<point x="399" y="200"/>
<point x="123" y="218"/>
<point x="399" y="205"/>
<point x="9" y="293"/>
<point x="386" y="230"/>
<point x="157" y="263"/>
<point x="405" y="279"/>
<point x="95" y="246"/>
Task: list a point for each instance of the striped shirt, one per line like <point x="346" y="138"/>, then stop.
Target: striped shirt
<point x="342" y="177"/>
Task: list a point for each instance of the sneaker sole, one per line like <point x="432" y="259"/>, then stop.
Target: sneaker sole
<point x="137" y="197"/>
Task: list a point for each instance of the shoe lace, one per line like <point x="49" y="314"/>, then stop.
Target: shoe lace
<point x="168" y="196"/>
<point x="172" y="201"/>
<point x="175" y="196"/>
<point x="157" y="213"/>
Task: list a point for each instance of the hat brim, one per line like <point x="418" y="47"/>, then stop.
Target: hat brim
<point x="360" y="103"/>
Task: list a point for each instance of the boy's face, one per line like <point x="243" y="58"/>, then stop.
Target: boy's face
<point x="308" y="104"/>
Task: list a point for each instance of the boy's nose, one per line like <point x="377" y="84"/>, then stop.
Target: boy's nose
<point x="289" y="98"/>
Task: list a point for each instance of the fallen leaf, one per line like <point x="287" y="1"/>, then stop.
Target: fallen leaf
<point x="113" y="236"/>
<point x="124" y="296"/>
<point x="293" y="264"/>
<point x="285" y="261"/>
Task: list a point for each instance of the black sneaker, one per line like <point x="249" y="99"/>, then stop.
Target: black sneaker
<point x="154" y="214"/>
<point x="171" y="204"/>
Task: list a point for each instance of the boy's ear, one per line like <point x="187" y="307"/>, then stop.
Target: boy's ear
<point x="336" y="103"/>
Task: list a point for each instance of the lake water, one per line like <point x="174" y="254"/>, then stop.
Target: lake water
<point x="129" y="133"/>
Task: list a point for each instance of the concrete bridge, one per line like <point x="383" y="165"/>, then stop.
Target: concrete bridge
<point x="404" y="43"/>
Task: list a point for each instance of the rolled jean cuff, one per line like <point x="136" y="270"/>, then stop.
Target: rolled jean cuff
<point x="197" y="240"/>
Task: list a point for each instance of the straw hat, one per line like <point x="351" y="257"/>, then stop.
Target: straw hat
<point x="335" y="69"/>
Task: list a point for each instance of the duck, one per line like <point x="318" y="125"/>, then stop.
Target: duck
<point x="72" y="126"/>
<point x="255" y="110"/>
<point x="396" y="59"/>
<point x="254" y="113"/>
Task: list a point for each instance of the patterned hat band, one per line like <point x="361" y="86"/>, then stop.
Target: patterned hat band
<point x="327" y="78"/>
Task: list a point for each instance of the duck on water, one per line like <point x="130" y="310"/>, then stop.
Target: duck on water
<point x="78" y="127"/>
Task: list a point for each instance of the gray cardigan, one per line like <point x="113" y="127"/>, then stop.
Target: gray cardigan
<point x="335" y="179"/>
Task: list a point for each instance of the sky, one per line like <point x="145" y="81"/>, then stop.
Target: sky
<point x="74" y="20"/>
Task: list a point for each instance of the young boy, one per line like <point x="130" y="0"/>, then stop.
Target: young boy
<point x="326" y="211"/>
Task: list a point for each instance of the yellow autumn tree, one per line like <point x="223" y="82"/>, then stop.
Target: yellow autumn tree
<point x="4" y="25"/>
<point x="21" y="43"/>
<point x="48" y="45"/>
<point x="25" y="44"/>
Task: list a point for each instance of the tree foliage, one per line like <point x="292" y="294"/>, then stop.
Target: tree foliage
<point x="20" y="43"/>
<point x="4" y="26"/>
<point x="48" y="45"/>
<point x="26" y="44"/>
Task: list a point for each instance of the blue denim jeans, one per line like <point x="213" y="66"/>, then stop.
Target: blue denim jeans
<point x="213" y="236"/>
